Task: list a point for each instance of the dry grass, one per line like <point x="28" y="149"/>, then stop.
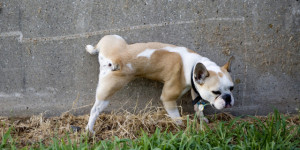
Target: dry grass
<point x="122" y="124"/>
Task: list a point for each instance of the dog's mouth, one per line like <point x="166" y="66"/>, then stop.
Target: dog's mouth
<point x="227" y="105"/>
<point x="219" y="98"/>
<point x="213" y="106"/>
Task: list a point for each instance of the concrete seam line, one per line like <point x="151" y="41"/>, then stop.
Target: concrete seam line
<point x="13" y="33"/>
<point x="88" y="34"/>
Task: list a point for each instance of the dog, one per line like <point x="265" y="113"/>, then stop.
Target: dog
<point x="178" y="68"/>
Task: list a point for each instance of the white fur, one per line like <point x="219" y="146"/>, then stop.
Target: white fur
<point x="129" y="66"/>
<point x="91" y="49"/>
<point x="174" y="114"/>
<point x="104" y="67"/>
<point x="119" y="37"/>
<point x="219" y="103"/>
<point x="188" y="59"/>
<point x="103" y="73"/>
<point x="225" y="81"/>
<point x="232" y="100"/>
<point x="98" y="107"/>
<point x="146" y="53"/>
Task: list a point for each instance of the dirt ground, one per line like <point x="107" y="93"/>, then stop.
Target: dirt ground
<point x="122" y="124"/>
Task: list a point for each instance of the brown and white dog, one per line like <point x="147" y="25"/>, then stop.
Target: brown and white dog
<point x="177" y="67"/>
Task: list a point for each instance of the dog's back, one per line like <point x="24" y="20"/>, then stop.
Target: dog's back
<point x="177" y="67"/>
<point x="130" y="58"/>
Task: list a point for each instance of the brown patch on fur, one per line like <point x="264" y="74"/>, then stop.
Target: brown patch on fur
<point x="168" y="70"/>
<point x="191" y="51"/>
<point x="163" y="66"/>
<point x="225" y="72"/>
<point x="212" y="73"/>
<point x="228" y="64"/>
<point x="220" y="74"/>
<point x="212" y="80"/>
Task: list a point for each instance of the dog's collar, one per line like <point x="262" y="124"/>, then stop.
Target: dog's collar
<point x="198" y="100"/>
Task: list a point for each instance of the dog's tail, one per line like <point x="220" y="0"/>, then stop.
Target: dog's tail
<point x="91" y="49"/>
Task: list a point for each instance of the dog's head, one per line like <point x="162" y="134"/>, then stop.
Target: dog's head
<point x="214" y="84"/>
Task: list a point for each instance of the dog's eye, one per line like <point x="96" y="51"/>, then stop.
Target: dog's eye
<point x="216" y="92"/>
<point x="231" y="88"/>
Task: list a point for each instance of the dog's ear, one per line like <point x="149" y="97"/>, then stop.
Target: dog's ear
<point x="227" y="66"/>
<point x="200" y="73"/>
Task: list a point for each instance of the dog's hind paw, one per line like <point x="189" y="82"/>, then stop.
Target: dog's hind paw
<point x="178" y="122"/>
<point x="87" y="129"/>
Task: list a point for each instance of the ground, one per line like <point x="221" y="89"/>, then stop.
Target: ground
<point x="35" y="129"/>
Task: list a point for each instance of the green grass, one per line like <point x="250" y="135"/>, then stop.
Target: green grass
<point x="271" y="133"/>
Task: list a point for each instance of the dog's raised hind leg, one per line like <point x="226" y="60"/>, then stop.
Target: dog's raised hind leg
<point x="107" y="86"/>
<point x="97" y="108"/>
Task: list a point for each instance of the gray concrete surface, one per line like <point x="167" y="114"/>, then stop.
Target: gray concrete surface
<point x="44" y="67"/>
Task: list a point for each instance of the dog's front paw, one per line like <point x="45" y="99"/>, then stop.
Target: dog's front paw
<point x="204" y="119"/>
<point x="201" y="116"/>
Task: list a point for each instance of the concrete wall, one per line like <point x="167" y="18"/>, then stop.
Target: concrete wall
<point x="45" y="68"/>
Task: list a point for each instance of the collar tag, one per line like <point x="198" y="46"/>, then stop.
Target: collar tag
<point x="201" y="105"/>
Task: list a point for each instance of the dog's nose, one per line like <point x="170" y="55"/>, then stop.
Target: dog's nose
<point x="227" y="98"/>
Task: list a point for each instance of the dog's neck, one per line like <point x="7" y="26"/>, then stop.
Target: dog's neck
<point x="198" y="98"/>
<point x="210" y="65"/>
